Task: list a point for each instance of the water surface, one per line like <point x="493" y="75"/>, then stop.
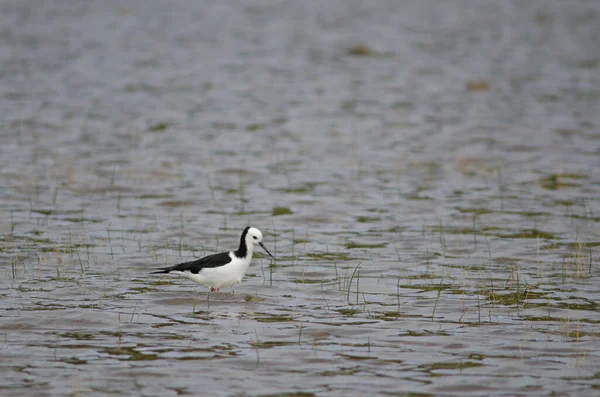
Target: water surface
<point x="426" y="174"/>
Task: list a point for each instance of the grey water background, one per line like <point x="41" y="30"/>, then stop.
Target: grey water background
<point x="425" y="172"/>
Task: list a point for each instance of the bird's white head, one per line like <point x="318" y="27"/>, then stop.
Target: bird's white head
<point x="255" y="237"/>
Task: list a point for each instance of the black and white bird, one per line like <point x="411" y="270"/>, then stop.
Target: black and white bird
<point x="224" y="269"/>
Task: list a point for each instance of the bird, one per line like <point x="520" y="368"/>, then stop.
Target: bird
<point x="224" y="269"/>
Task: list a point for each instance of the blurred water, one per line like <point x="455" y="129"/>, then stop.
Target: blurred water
<point x="439" y="160"/>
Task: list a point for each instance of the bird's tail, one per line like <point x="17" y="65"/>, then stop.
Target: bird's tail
<point x="163" y="270"/>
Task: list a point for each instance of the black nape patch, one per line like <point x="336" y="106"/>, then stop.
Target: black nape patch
<point x="242" y="251"/>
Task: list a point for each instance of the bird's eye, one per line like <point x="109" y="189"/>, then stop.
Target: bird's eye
<point x="255" y="237"/>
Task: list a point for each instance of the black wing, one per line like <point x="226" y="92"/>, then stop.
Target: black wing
<point x="194" y="267"/>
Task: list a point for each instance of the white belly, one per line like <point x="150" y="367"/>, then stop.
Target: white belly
<point x="218" y="277"/>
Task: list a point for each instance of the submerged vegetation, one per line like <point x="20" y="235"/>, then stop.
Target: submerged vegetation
<point x="364" y="291"/>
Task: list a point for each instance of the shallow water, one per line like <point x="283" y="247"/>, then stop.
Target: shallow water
<point x="426" y="174"/>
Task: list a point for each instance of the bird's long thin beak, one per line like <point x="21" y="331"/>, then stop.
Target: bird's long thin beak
<point x="265" y="248"/>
